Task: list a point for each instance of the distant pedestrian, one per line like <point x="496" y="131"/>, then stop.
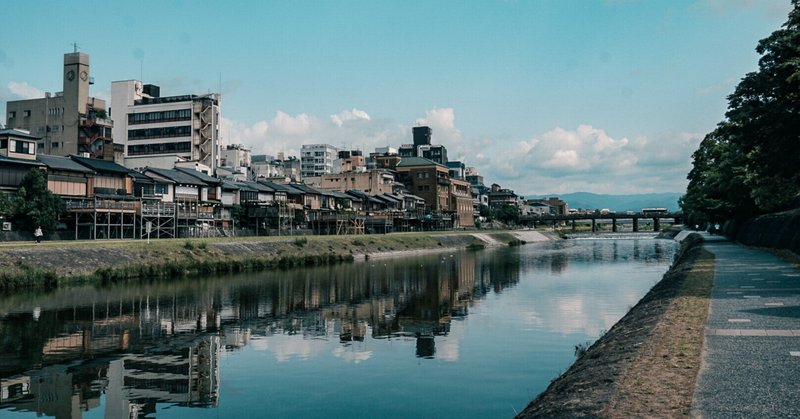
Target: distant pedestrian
<point x="38" y="234"/>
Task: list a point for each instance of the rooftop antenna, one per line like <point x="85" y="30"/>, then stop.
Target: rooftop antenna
<point x="75" y="46"/>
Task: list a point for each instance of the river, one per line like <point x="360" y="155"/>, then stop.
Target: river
<point x="444" y="334"/>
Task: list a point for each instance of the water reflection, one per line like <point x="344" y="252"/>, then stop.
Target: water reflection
<point x="141" y="346"/>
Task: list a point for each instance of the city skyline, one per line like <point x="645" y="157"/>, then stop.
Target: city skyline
<point x="540" y="97"/>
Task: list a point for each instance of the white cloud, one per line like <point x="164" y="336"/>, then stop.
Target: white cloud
<point x="354" y="114"/>
<point x="589" y="159"/>
<point x="560" y="160"/>
<point x="286" y="124"/>
<point x="24" y="90"/>
<point x="563" y="159"/>
<point x="444" y="131"/>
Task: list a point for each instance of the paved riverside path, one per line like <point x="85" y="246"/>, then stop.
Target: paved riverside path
<point x="751" y="367"/>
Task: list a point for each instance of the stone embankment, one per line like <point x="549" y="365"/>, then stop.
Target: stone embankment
<point x="777" y="231"/>
<point x="605" y="379"/>
<point x="26" y="265"/>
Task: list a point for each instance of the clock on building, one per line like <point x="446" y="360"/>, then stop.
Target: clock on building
<point x="70" y="75"/>
<point x="84" y="75"/>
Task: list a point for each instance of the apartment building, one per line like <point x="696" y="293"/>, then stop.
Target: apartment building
<point x="317" y="160"/>
<point x="157" y="131"/>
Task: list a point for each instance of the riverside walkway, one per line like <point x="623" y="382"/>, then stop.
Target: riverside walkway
<point x="751" y="366"/>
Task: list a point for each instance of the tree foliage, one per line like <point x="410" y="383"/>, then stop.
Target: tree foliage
<point x="749" y="164"/>
<point x="34" y="205"/>
<point x="507" y="213"/>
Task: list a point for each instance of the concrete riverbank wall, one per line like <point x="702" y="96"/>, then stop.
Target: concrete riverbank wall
<point x="31" y="265"/>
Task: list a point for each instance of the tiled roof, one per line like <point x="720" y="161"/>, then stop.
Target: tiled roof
<point x="200" y="175"/>
<point x="258" y="186"/>
<point x="11" y="160"/>
<point x="417" y="161"/>
<point x="139" y="177"/>
<point x="288" y="189"/>
<point x="101" y="166"/>
<point x="177" y="176"/>
<point x="62" y="163"/>
<point x="11" y="132"/>
<point x="230" y="186"/>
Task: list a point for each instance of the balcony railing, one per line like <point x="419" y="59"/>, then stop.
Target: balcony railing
<point x="100" y="204"/>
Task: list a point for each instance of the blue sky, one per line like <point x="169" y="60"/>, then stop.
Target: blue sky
<point x="542" y="97"/>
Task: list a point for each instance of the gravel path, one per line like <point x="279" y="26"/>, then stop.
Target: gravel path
<point x="751" y="360"/>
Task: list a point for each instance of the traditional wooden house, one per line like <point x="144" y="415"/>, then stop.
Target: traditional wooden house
<point x="194" y="214"/>
<point x="108" y="211"/>
<point x="17" y="158"/>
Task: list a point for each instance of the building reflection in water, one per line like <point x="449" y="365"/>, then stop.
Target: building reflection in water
<point x="162" y="342"/>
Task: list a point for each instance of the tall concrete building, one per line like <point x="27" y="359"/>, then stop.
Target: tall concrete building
<point x="158" y="131"/>
<point x="69" y="121"/>
<point x="422" y="146"/>
<point x="317" y="159"/>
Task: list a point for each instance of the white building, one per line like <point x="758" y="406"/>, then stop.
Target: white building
<point x="236" y="158"/>
<point x="157" y="131"/>
<point x="317" y="159"/>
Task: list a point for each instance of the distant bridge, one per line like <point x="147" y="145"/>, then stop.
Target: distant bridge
<point x="614" y="218"/>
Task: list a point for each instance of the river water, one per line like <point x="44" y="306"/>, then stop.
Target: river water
<point x="458" y="334"/>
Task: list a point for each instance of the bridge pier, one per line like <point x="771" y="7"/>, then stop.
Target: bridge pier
<point x="594" y="225"/>
<point x="656" y="224"/>
<point x="635" y="225"/>
<point x="613" y="225"/>
<point x="573" y="225"/>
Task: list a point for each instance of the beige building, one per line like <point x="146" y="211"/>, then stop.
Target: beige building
<point x="373" y="182"/>
<point x="70" y="121"/>
<point x="461" y="202"/>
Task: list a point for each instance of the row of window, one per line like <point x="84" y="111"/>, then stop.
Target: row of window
<point x="53" y="145"/>
<point x="163" y="132"/>
<point x="13" y="114"/>
<point x="160" y="148"/>
<point x="160" y="116"/>
<point x="21" y="147"/>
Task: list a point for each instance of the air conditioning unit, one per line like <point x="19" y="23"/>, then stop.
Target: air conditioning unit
<point x="6" y="226"/>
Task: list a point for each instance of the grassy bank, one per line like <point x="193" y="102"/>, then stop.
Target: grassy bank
<point x="647" y="364"/>
<point x="28" y="265"/>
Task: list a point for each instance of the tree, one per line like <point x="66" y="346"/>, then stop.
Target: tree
<point x="6" y="206"/>
<point x="748" y="165"/>
<point x="507" y="213"/>
<point x="34" y="205"/>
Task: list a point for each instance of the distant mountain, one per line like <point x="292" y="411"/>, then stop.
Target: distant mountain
<point x="587" y="200"/>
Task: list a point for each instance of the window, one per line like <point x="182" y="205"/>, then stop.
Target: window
<point x="26" y="113"/>
<point x="160" y="189"/>
<point x="161" y="148"/>
<point x="12" y="114"/>
<point x="3" y="143"/>
<point x="24" y="147"/>
<point x="160" y="116"/>
<point x="163" y="132"/>
<point x="55" y="144"/>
